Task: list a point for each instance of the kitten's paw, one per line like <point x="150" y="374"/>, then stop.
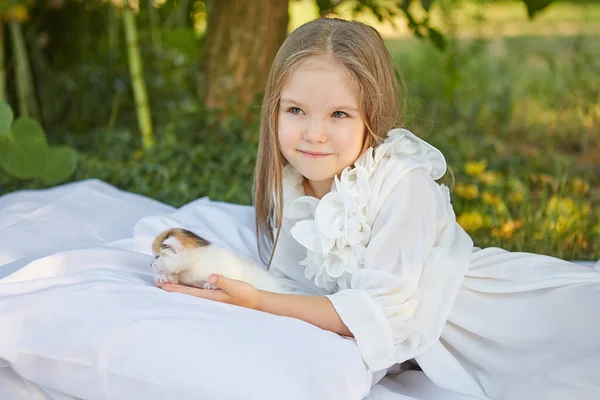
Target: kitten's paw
<point x="209" y="286"/>
<point x="167" y="279"/>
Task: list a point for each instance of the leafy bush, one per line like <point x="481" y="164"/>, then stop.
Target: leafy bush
<point x="25" y="154"/>
<point x="217" y="162"/>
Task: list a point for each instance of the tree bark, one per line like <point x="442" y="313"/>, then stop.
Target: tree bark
<point x="242" y="38"/>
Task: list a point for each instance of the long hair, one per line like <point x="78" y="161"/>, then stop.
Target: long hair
<point x="360" y="48"/>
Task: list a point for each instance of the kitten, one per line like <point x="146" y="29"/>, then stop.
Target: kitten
<point x="181" y="256"/>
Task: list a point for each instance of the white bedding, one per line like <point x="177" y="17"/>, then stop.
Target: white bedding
<point x="80" y="317"/>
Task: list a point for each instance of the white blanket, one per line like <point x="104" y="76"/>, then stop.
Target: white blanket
<point x="80" y="317"/>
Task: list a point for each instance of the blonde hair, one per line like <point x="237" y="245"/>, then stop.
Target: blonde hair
<point x="360" y="48"/>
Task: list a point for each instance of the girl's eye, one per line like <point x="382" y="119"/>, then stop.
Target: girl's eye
<point x="295" y="110"/>
<point x="340" y="114"/>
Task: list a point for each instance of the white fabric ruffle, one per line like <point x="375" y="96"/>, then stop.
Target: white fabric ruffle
<point x="336" y="229"/>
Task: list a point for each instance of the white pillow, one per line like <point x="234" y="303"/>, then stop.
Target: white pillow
<point x="92" y="325"/>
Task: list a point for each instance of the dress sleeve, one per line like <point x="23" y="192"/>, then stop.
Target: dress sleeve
<point x="397" y="305"/>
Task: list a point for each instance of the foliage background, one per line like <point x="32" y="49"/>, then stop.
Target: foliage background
<point x="513" y="104"/>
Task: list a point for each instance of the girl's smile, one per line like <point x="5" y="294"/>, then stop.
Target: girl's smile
<point x="314" y="154"/>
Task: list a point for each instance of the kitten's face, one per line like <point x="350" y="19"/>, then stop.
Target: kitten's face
<point x="170" y="245"/>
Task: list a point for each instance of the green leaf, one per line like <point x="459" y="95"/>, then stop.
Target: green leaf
<point x="26" y="153"/>
<point x="6" y="119"/>
<point x="5" y="5"/>
<point x="437" y="38"/>
<point x="426" y="4"/>
<point x="403" y="5"/>
<point x="535" y="6"/>
<point x="62" y="161"/>
<point x="325" y="5"/>
<point x="3" y="145"/>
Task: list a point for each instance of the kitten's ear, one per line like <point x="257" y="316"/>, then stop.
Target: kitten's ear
<point x="158" y="241"/>
<point x="190" y="239"/>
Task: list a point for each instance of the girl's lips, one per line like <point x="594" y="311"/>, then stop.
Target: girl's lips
<point x="312" y="154"/>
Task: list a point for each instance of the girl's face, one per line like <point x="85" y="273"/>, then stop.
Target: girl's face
<point x="321" y="129"/>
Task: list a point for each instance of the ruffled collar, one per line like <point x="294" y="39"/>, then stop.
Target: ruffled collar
<point x="336" y="229"/>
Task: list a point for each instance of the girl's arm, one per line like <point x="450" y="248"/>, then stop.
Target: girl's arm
<point x="316" y="310"/>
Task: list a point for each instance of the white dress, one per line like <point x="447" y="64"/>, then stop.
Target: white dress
<point x="384" y="246"/>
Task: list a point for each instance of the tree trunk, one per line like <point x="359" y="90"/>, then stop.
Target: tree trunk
<point x="242" y="38"/>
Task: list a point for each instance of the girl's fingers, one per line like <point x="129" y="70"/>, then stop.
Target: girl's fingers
<point x="216" y="295"/>
<point x="173" y="287"/>
<point x="220" y="282"/>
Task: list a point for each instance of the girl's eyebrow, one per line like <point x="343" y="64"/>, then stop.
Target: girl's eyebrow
<point x="291" y="101"/>
<point x="288" y="100"/>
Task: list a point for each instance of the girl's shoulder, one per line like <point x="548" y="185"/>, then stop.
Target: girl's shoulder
<point x="388" y="164"/>
<point x="404" y="151"/>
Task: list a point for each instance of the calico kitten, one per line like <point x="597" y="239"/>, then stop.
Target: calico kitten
<point x="181" y="256"/>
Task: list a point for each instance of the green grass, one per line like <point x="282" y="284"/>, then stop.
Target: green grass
<point x="527" y="107"/>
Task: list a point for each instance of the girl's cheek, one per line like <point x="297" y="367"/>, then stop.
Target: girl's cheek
<point x="286" y="141"/>
<point x="290" y="127"/>
<point x="286" y="125"/>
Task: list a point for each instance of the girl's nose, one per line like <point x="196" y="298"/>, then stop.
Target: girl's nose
<point x="316" y="131"/>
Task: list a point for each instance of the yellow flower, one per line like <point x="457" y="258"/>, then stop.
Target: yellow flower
<point x="494" y="200"/>
<point x="490" y="198"/>
<point x="468" y="192"/>
<point x="516" y="197"/>
<point x="17" y="13"/>
<point x="489" y="177"/>
<point x="561" y="224"/>
<point x="507" y="229"/>
<point x="475" y="168"/>
<point x="500" y="207"/>
<point x="580" y="186"/>
<point x="470" y="221"/>
<point x="560" y="206"/>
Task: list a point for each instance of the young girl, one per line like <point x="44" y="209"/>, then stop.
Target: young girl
<point x="360" y="228"/>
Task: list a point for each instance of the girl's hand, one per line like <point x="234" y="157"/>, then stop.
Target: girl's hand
<point x="232" y="291"/>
